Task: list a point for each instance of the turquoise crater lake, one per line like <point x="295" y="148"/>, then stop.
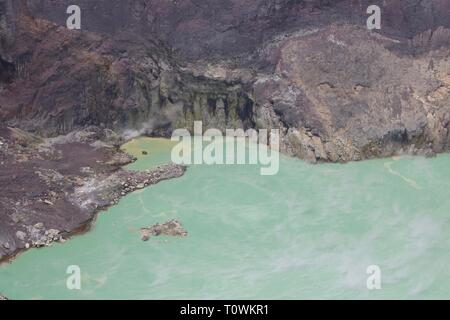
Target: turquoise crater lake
<point x="310" y="231"/>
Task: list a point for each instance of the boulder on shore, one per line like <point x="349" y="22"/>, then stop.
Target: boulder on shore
<point x="172" y="228"/>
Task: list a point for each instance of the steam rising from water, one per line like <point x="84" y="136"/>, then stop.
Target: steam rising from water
<point x="308" y="232"/>
<point x="170" y="114"/>
<point x="146" y="129"/>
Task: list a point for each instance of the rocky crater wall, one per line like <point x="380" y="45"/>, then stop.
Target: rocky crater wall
<point x="338" y="91"/>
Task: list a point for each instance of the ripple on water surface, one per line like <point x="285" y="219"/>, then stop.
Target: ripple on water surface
<point x="308" y="232"/>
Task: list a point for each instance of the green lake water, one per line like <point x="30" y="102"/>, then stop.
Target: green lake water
<point x="310" y="231"/>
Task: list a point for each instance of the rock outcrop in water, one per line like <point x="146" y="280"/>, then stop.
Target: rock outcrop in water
<point x="3" y="297"/>
<point x="171" y="228"/>
<point x="338" y="91"/>
<point x="52" y="188"/>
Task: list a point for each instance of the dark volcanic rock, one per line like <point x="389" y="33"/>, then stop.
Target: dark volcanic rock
<point x="310" y="67"/>
<point x="7" y="71"/>
<point x="344" y="95"/>
<point x="74" y="79"/>
<point x="53" y="188"/>
<point x="337" y="91"/>
<point x="221" y="29"/>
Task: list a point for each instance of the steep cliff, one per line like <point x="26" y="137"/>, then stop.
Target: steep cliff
<point x="338" y="91"/>
<point x="65" y="80"/>
<point x="223" y="29"/>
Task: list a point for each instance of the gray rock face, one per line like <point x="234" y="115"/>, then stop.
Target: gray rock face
<point x="221" y="29"/>
<point x="21" y="235"/>
<point x="338" y="91"/>
<point x="344" y="94"/>
<point x="121" y="82"/>
<point x="6" y="23"/>
<point x="7" y="69"/>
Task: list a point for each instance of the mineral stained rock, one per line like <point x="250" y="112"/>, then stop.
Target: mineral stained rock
<point x="171" y="228"/>
<point x="337" y="91"/>
<point x="51" y="188"/>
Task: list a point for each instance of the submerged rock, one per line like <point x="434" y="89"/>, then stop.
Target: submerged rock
<point x="172" y="228"/>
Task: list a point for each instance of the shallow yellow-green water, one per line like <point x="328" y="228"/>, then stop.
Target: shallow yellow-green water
<point x="308" y="232"/>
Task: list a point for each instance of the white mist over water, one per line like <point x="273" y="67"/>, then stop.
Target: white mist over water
<point x="146" y="128"/>
<point x="308" y="232"/>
